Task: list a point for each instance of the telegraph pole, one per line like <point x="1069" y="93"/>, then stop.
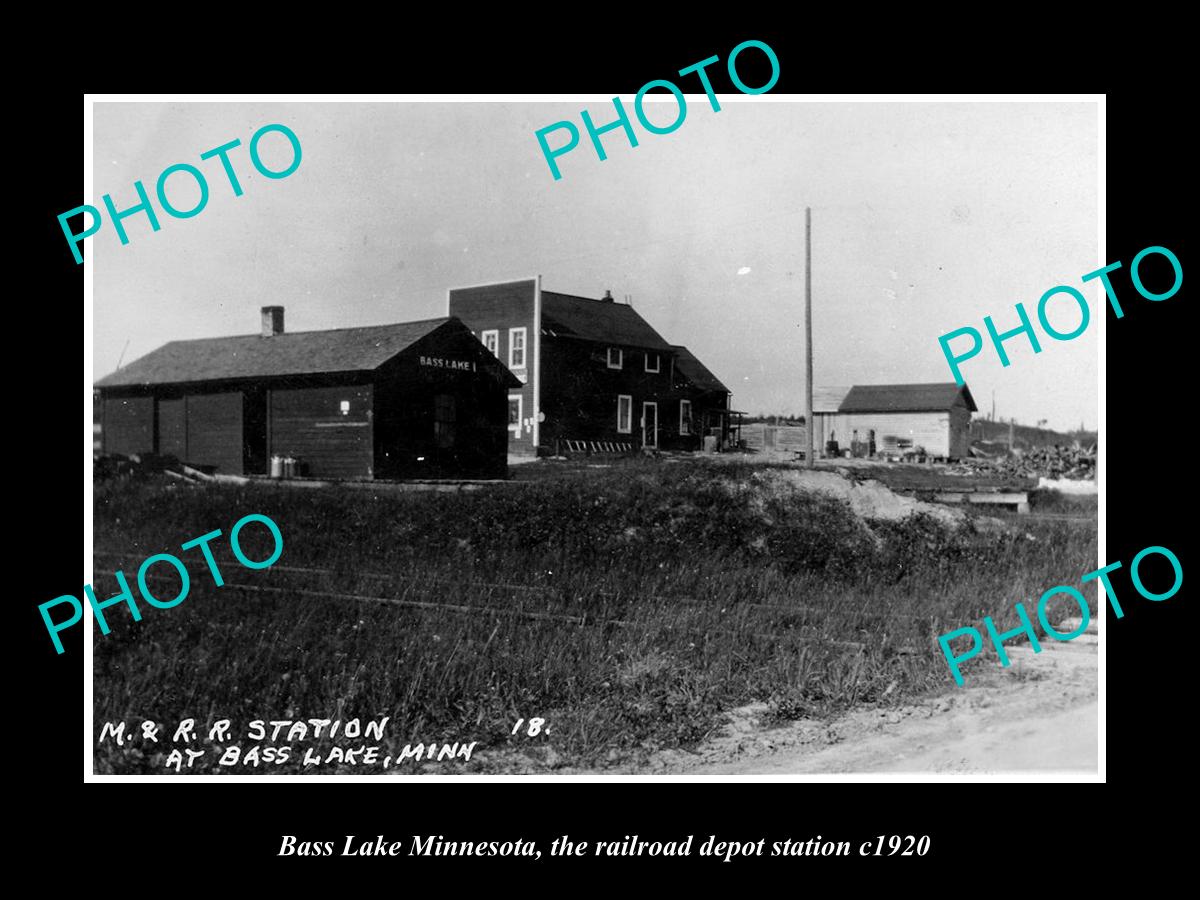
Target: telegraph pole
<point x="810" y="456"/>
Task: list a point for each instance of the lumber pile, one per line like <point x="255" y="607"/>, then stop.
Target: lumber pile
<point x="142" y="465"/>
<point x="1072" y="463"/>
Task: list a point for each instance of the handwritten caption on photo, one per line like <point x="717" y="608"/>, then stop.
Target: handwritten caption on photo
<point x="1026" y="627"/>
<point x="1026" y="327"/>
<point x="230" y="753"/>
<point x="273" y="743"/>
<point x="126" y="595"/>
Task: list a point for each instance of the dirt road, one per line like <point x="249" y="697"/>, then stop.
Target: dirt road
<point x="1038" y="715"/>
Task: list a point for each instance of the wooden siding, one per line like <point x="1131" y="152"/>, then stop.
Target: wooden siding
<point x="499" y="307"/>
<point x="214" y="431"/>
<point x="930" y="430"/>
<point x="462" y="433"/>
<point x="579" y="395"/>
<point x="307" y="423"/>
<point x="128" y="425"/>
<point x="960" y="431"/>
<point x="172" y="427"/>
<point x="784" y="438"/>
<point x="945" y="433"/>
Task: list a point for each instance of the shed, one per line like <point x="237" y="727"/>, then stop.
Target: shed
<point x="403" y="400"/>
<point x="895" y="419"/>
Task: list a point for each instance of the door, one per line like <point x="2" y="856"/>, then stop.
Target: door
<point x="650" y="424"/>
<point x="172" y="428"/>
<point x="445" y="417"/>
<point x="214" y="431"/>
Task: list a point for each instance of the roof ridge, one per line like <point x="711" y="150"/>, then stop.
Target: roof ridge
<point x="910" y="384"/>
<point x="349" y="349"/>
<point x="581" y="297"/>
<point x="231" y="337"/>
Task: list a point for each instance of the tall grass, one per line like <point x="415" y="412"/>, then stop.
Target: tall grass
<point x="627" y="607"/>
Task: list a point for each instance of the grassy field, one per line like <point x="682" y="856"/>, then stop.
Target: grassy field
<point x="627" y="606"/>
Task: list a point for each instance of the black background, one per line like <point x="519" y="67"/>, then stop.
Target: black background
<point x="981" y="833"/>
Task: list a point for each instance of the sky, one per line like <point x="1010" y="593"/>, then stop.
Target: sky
<point x="926" y="218"/>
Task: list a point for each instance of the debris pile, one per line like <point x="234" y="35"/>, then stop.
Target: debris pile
<point x="869" y="499"/>
<point x="107" y="466"/>
<point x="1071" y="463"/>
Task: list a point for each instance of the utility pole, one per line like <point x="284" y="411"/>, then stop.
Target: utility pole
<point x="993" y="404"/>
<point x="810" y="456"/>
<point x="1010" y="433"/>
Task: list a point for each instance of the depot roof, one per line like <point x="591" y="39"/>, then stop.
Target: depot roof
<point x="255" y="356"/>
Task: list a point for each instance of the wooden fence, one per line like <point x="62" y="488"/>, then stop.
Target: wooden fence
<point x="785" y="438"/>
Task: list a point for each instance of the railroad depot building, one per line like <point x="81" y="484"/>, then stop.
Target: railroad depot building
<point x="894" y="419"/>
<point x="398" y="401"/>
<point x="595" y="376"/>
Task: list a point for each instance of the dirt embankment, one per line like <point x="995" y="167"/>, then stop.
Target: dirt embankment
<point x="1040" y="714"/>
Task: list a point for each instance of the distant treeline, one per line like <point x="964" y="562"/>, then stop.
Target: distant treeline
<point x="1027" y="436"/>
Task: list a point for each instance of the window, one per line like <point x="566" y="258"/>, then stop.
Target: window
<point x="616" y="358"/>
<point x="685" y="416"/>
<point x="652" y="362"/>
<point x="491" y="340"/>
<point x="624" y="413"/>
<point x="444" y="417"/>
<point x="516" y="348"/>
<point x="514" y="414"/>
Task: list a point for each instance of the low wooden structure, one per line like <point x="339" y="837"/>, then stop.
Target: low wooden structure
<point x="414" y="399"/>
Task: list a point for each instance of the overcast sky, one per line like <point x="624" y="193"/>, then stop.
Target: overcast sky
<point x="926" y="218"/>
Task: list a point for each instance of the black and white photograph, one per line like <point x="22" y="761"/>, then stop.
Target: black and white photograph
<point x="488" y="437"/>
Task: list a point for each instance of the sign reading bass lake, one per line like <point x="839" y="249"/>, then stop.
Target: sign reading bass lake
<point x="438" y="362"/>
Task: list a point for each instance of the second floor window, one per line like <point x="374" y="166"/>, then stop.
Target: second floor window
<point x="516" y="348"/>
<point x="652" y="364"/>
<point x="616" y="359"/>
<point x="491" y="340"/>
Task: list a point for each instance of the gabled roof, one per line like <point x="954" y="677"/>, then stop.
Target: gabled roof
<point x="291" y="353"/>
<point x="828" y="399"/>
<point x="695" y="371"/>
<point x="906" y="397"/>
<point x="603" y="321"/>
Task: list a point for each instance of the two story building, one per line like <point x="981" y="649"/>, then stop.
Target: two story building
<point x="594" y="374"/>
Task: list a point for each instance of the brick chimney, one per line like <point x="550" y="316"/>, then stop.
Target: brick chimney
<point x="272" y="321"/>
<point x="607" y="298"/>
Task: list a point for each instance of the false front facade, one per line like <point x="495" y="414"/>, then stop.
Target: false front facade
<point x="594" y="374"/>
